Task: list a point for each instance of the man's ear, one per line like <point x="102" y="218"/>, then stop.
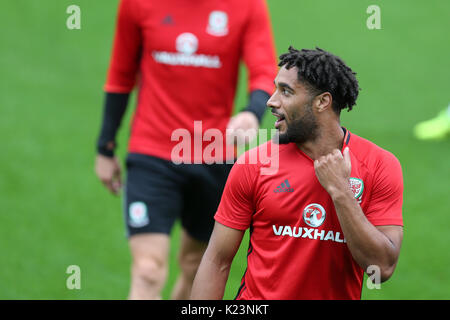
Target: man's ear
<point x="323" y="101"/>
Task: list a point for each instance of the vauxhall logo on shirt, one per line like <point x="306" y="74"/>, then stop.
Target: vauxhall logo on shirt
<point x="314" y="216"/>
<point x="187" y="44"/>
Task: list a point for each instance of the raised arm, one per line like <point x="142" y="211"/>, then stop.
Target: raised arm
<point x="369" y="244"/>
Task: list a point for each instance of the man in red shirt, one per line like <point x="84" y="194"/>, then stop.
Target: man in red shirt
<point x="184" y="56"/>
<point x="331" y="210"/>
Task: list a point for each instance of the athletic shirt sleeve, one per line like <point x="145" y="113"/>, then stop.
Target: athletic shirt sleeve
<point x="385" y="207"/>
<point x="237" y="206"/>
<point x="259" y="48"/>
<point x="126" y="51"/>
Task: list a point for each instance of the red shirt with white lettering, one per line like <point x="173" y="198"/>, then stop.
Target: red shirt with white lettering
<point x="297" y="248"/>
<point x="187" y="55"/>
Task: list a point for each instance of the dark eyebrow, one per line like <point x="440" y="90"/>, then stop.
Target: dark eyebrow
<point x="284" y="85"/>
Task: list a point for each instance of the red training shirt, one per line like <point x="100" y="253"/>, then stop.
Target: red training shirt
<point x="297" y="249"/>
<point x="187" y="55"/>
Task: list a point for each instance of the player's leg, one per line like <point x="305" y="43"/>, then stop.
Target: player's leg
<point x="149" y="266"/>
<point x="151" y="205"/>
<point x="201" y="198"/>
<point x="189" y="257"/>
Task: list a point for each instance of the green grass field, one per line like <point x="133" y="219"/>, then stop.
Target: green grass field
<point x="54" y="212"/>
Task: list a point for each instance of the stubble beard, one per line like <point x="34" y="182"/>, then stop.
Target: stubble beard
<point x="299" y="130"/>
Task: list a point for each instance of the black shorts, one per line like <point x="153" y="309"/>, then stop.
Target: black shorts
<point x="157" y="192"/>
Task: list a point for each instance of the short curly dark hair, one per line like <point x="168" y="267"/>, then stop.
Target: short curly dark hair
<point x="321" y="72"/>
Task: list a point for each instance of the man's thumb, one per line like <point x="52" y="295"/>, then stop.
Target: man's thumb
<point x="347" y="159"/>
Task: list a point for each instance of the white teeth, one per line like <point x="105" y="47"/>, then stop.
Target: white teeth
<point x="279" y="116"/>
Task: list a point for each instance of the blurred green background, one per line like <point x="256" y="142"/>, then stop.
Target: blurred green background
<point x="54" y="211"/>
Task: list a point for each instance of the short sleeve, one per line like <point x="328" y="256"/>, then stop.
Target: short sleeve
<point x="124" y="64"/>
<point x="259" y="48"/>
<point x="385" y="206"/>
<point x="237" y="206"/>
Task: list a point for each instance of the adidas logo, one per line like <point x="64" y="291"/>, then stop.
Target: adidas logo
<point x="168" y="20"/>
<point x="284" y="187"/>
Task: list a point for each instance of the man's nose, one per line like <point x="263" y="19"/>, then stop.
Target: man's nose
<point x="273" y="102"/>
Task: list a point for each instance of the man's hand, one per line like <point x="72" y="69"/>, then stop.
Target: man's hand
<point x="108" y="171"/>
<point x="242" y="128"/>
<point x="368" y="244"/>
<point x="333" y="171"/>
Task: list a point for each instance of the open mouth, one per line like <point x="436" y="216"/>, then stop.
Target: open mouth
<point x="280" y="119"/>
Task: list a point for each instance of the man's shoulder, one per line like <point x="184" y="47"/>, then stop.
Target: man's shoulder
<point x="371" y="154"/>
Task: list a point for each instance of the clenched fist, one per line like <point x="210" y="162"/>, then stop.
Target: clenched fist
<point x="333" y="171"/>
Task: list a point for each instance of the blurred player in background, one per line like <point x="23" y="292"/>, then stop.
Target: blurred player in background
<point x="341" y="213"/>
<point x="184" y="57"/>
<point x="437" y="128"/>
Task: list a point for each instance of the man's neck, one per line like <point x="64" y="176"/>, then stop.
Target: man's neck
<point x="330" y="138"/>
